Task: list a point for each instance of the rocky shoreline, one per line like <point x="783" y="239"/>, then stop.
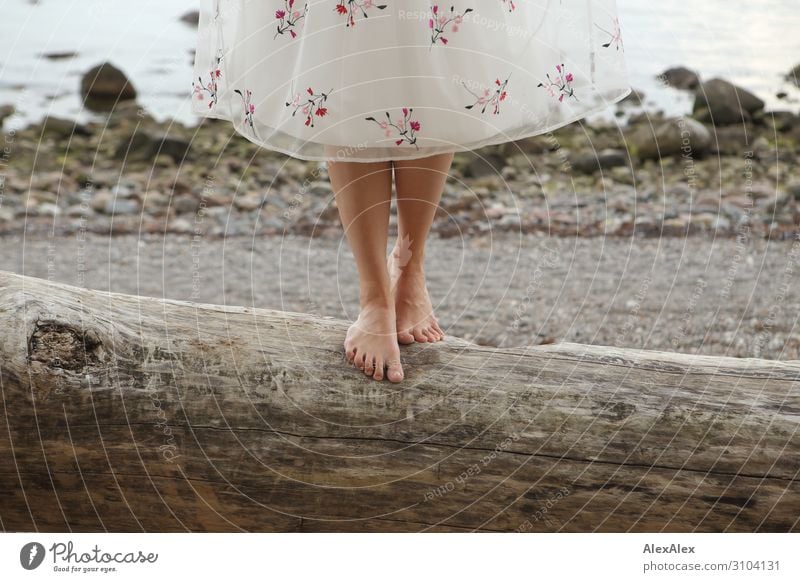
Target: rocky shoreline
<point x="729" y="169"/>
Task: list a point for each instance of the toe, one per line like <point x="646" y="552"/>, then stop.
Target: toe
<point x="379" y="366"/>
<point x="359" y="361"/>
<point x="405" y="337"/>
<point x="419" y="336"/>
<point x="369" y="367"/>
<point x="395" y="371"/>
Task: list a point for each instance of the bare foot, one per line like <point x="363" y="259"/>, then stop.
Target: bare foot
<point x="413" y="308"/>
<point x="371" y="342"/>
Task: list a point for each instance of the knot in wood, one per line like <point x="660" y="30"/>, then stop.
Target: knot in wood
<point x="61" y="345"/>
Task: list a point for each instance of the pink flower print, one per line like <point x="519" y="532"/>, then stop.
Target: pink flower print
<point x="439" y="22"/>
<point x="200" y="89"/>
<point x="615" y="36"/>
<point x="312" y="107"/>
<point x="289" y="19"/>
<point x="561" y="85"/>
<point x="353" y="8"/>
<point x="405" y="128"/>
<point x="489" y="97"/>
<point x="249" y="108"/>
<point x="510" y="4"/>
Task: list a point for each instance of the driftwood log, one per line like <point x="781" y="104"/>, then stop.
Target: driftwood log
<point x="126" y="413"/>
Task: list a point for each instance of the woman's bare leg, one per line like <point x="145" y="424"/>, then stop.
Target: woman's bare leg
<point x="419" y="185"/>
<point x="363" y="195"/>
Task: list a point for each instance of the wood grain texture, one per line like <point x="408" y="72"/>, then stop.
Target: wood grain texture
<point x="127" y="413"/>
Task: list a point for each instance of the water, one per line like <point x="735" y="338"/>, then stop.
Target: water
<point x="752" y="44"/>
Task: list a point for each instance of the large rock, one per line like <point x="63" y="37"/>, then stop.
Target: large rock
<point x="63" y="128"/>
<point x="145" y="146"/>
<point x="680" y="78"/>
<point x="794" y="76"/>
<point x="723" y="103"/>
<point x="589" y="161"/>
<point x="106" y="82"/>
<point x="672" y="137"/>
<point x="6" y="111"/>
<point x="192" y="18"/>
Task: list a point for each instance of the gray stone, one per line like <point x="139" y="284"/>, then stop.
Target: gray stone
<point x="124" y="189"/>
<point x="793" y="76"/>
<point x="724" y="103"/>
<point x="485" y="165"/>
<point x="121" y="206"/>
<point x="676" y="136"/>
<point x="59" y="55"/>
<point x="272" y="224"/>
<point x="775" y="202"/>
<point x="145" y="146"/>
<point x="48" y="209"/>
<point x="106" y="82"/>
<point x="794" y="190"/>
<point x="64" y="128"/>
<point x="247" y="203"/>
<point x="509" y="220"/>
<point x="733" y="140"/>
<point x="185" y="204"/>
<point x="589" y="162"/>
<point x="192" y="17"/>
<point x="77" y="210"/>
<point x="180" y="225"/>
<point x="99" y="200"/>
<point x="783" y="120"/>
<point x="680" y="78"/>
<point x="6" y="111"/>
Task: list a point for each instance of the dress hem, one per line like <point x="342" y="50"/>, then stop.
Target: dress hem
<point x="216" y="114"/>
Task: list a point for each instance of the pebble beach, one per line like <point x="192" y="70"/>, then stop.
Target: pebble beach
<point x="715" y="187"/>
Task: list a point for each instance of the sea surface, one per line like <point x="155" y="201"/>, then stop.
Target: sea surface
<point x="753" y="44"/>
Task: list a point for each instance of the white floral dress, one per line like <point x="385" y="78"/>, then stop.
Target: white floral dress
<point x="369" y="80"/>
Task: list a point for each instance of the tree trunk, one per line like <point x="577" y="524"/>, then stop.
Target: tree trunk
<point x="127" y="413"/>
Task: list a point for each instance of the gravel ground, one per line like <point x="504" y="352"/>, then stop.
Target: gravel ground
<point x="691" y="295"/>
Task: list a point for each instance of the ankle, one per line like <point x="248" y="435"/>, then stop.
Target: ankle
<point x="402" y="260"/>
<point x="375" y="296"/>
